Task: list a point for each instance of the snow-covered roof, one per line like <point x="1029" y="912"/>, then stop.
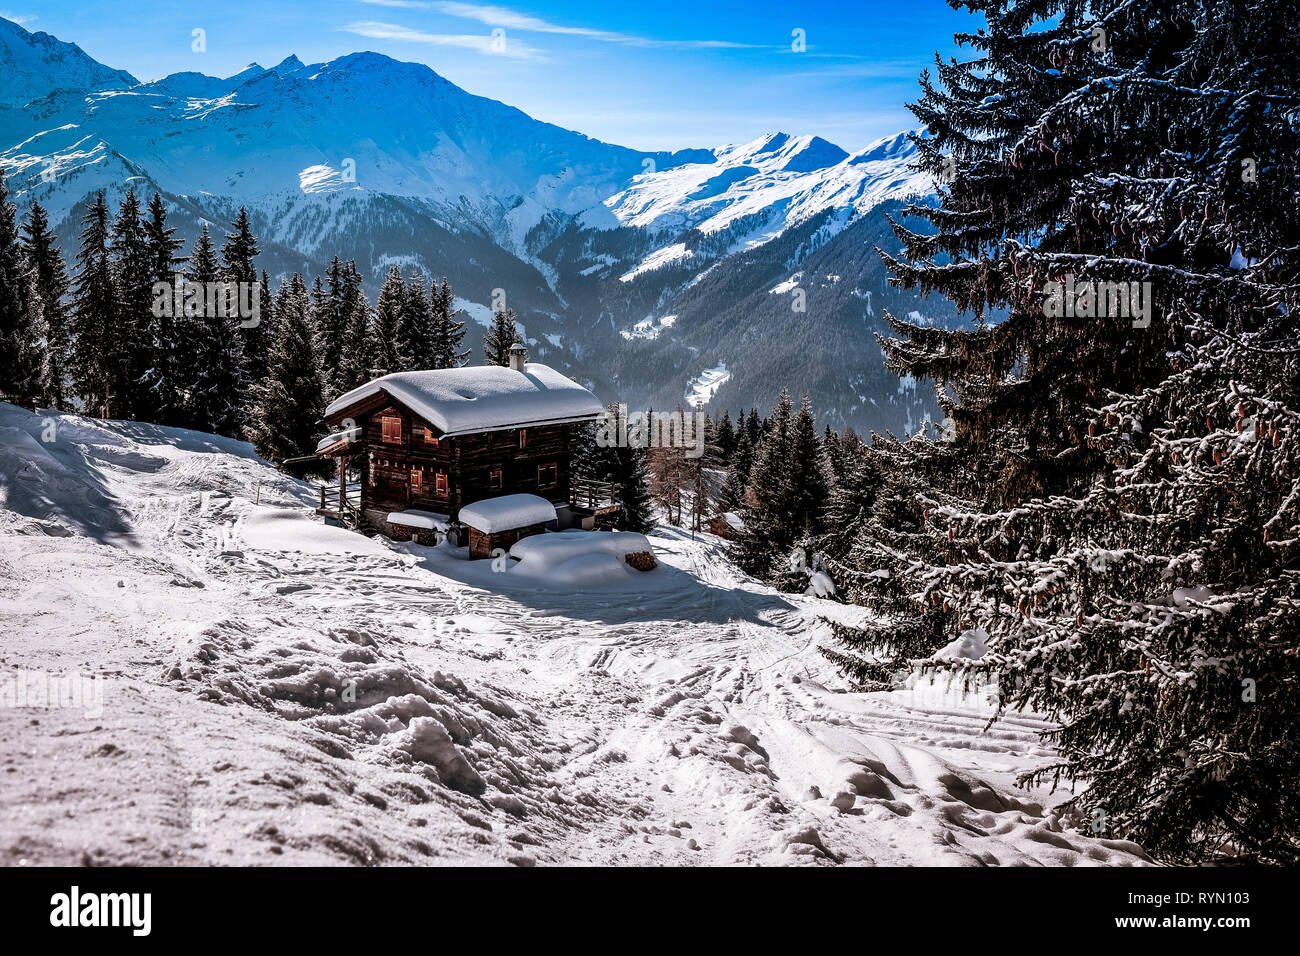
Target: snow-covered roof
<point x="481" y="398"/>
<point x="507" y="513"/>
<point x="347" y="434"/>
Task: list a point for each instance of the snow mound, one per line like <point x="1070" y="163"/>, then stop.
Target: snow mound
<point x="970" y="645"/>
<point x="283" y="529"/>
<point x="821" y="585"/>
<point x="579" y="558"/>
<point x="507" y="513"/>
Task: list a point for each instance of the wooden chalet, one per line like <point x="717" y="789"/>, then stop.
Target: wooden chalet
<point x="423" y="445"/>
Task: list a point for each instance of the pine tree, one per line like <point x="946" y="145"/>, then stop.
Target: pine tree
<point x="50" y="279"/>
<point x="213" y="352"/>
<point x="415" y="328"/>
<point x="163" y="335"/>
<point x="621" y="465"/>
<point x="448" y="333"/>
<point x="754" y="427"/>
<point x="289" y="401"/>
<point x="237" y="255"/>
<point x="386" y="324"/>
<point x="1114" y="501"/>
<point x="357" y="363"/>
<point x="330" y="318"/>
<point x="635" y="506"/>
<point x="94" y="311"/>
<point x="499" y="337"/>
<point x="22" y="363"/>
<point x="810" y="485"/>
<point x="765" y="545"/>
<point x="725" y="438"/>
<point x="732" y="496"/>
<point x="132" y="347"/>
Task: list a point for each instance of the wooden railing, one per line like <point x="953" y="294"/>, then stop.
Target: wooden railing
<point x="348" y="504"/>
<point x="584" y="493"/>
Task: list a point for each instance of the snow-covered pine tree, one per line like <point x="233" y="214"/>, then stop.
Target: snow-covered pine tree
<point x="741" y="460"/>
<point x="415" y="345"/>
<point x="877" y="529"/>
<point x="765" y="545"/>
<point x="289" y="401"/>
<point x="1115" y="502"/>
<point x="635" y="506"/>
<point x="625" y="467"/>
<point x="132" y="345"/>
<point x="94" y="313"/>
<point x="330" y="321"/>
<point x="810" y="484"/>
<point x="501" y="334"/>
<point x="212" y="349"/>
<point x="22" y="363"/>
<point x="386" y="323"/>
<point x="725" y="437"/>
<point x="754" y="426"/>
<point x="238" y="253"/>
<point x="448" y="333"/>
<point x="50" y="278"/>
<point x="164" y="381"/>
<point x="357" y="362"/>
<point x="836" y="461"/>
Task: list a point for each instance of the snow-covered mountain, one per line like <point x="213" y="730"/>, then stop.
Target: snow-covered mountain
<point x="33" y="64"/>
<point x="389" y="163"/>
<point x="772" y="183"/>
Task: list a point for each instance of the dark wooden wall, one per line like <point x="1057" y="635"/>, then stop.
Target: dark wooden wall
<point x="467" y="460"/>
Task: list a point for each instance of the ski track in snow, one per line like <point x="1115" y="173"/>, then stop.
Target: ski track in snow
<point x="366" y="702"/>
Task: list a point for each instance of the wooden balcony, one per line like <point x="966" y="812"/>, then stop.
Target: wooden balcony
<point x="596" y="497"/>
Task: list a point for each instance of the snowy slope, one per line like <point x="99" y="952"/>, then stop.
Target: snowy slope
<point x="275" y="691"/>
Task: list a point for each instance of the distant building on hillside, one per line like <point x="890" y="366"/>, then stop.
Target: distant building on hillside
<point x="427" y="444"/>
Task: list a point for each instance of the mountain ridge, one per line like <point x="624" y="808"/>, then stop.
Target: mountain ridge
<point x="390" y="163"/>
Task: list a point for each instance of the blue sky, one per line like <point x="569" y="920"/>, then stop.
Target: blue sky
<point x="662" y="75"/>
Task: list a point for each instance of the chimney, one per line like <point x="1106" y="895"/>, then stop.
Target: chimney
<point x="518" y="356"/>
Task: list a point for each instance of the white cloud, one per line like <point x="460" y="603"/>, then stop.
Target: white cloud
<point x="497" y="16"/>
<point x="482" y="43"/>
<point x="22" y="19"/>
<point x="400" y="4"/>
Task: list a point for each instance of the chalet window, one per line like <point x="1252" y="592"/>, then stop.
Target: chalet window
<point x="440" y="484"/>
<point x="417" y="480"/>
<point x="392" y="426"/>
<point x="494" y="479"/>
<point x="547" y="475"/>
<point x="430" y="438"/>
<point x="523" y="438"/>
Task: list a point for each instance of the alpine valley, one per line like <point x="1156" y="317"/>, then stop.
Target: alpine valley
<point x="651" y="277"/>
